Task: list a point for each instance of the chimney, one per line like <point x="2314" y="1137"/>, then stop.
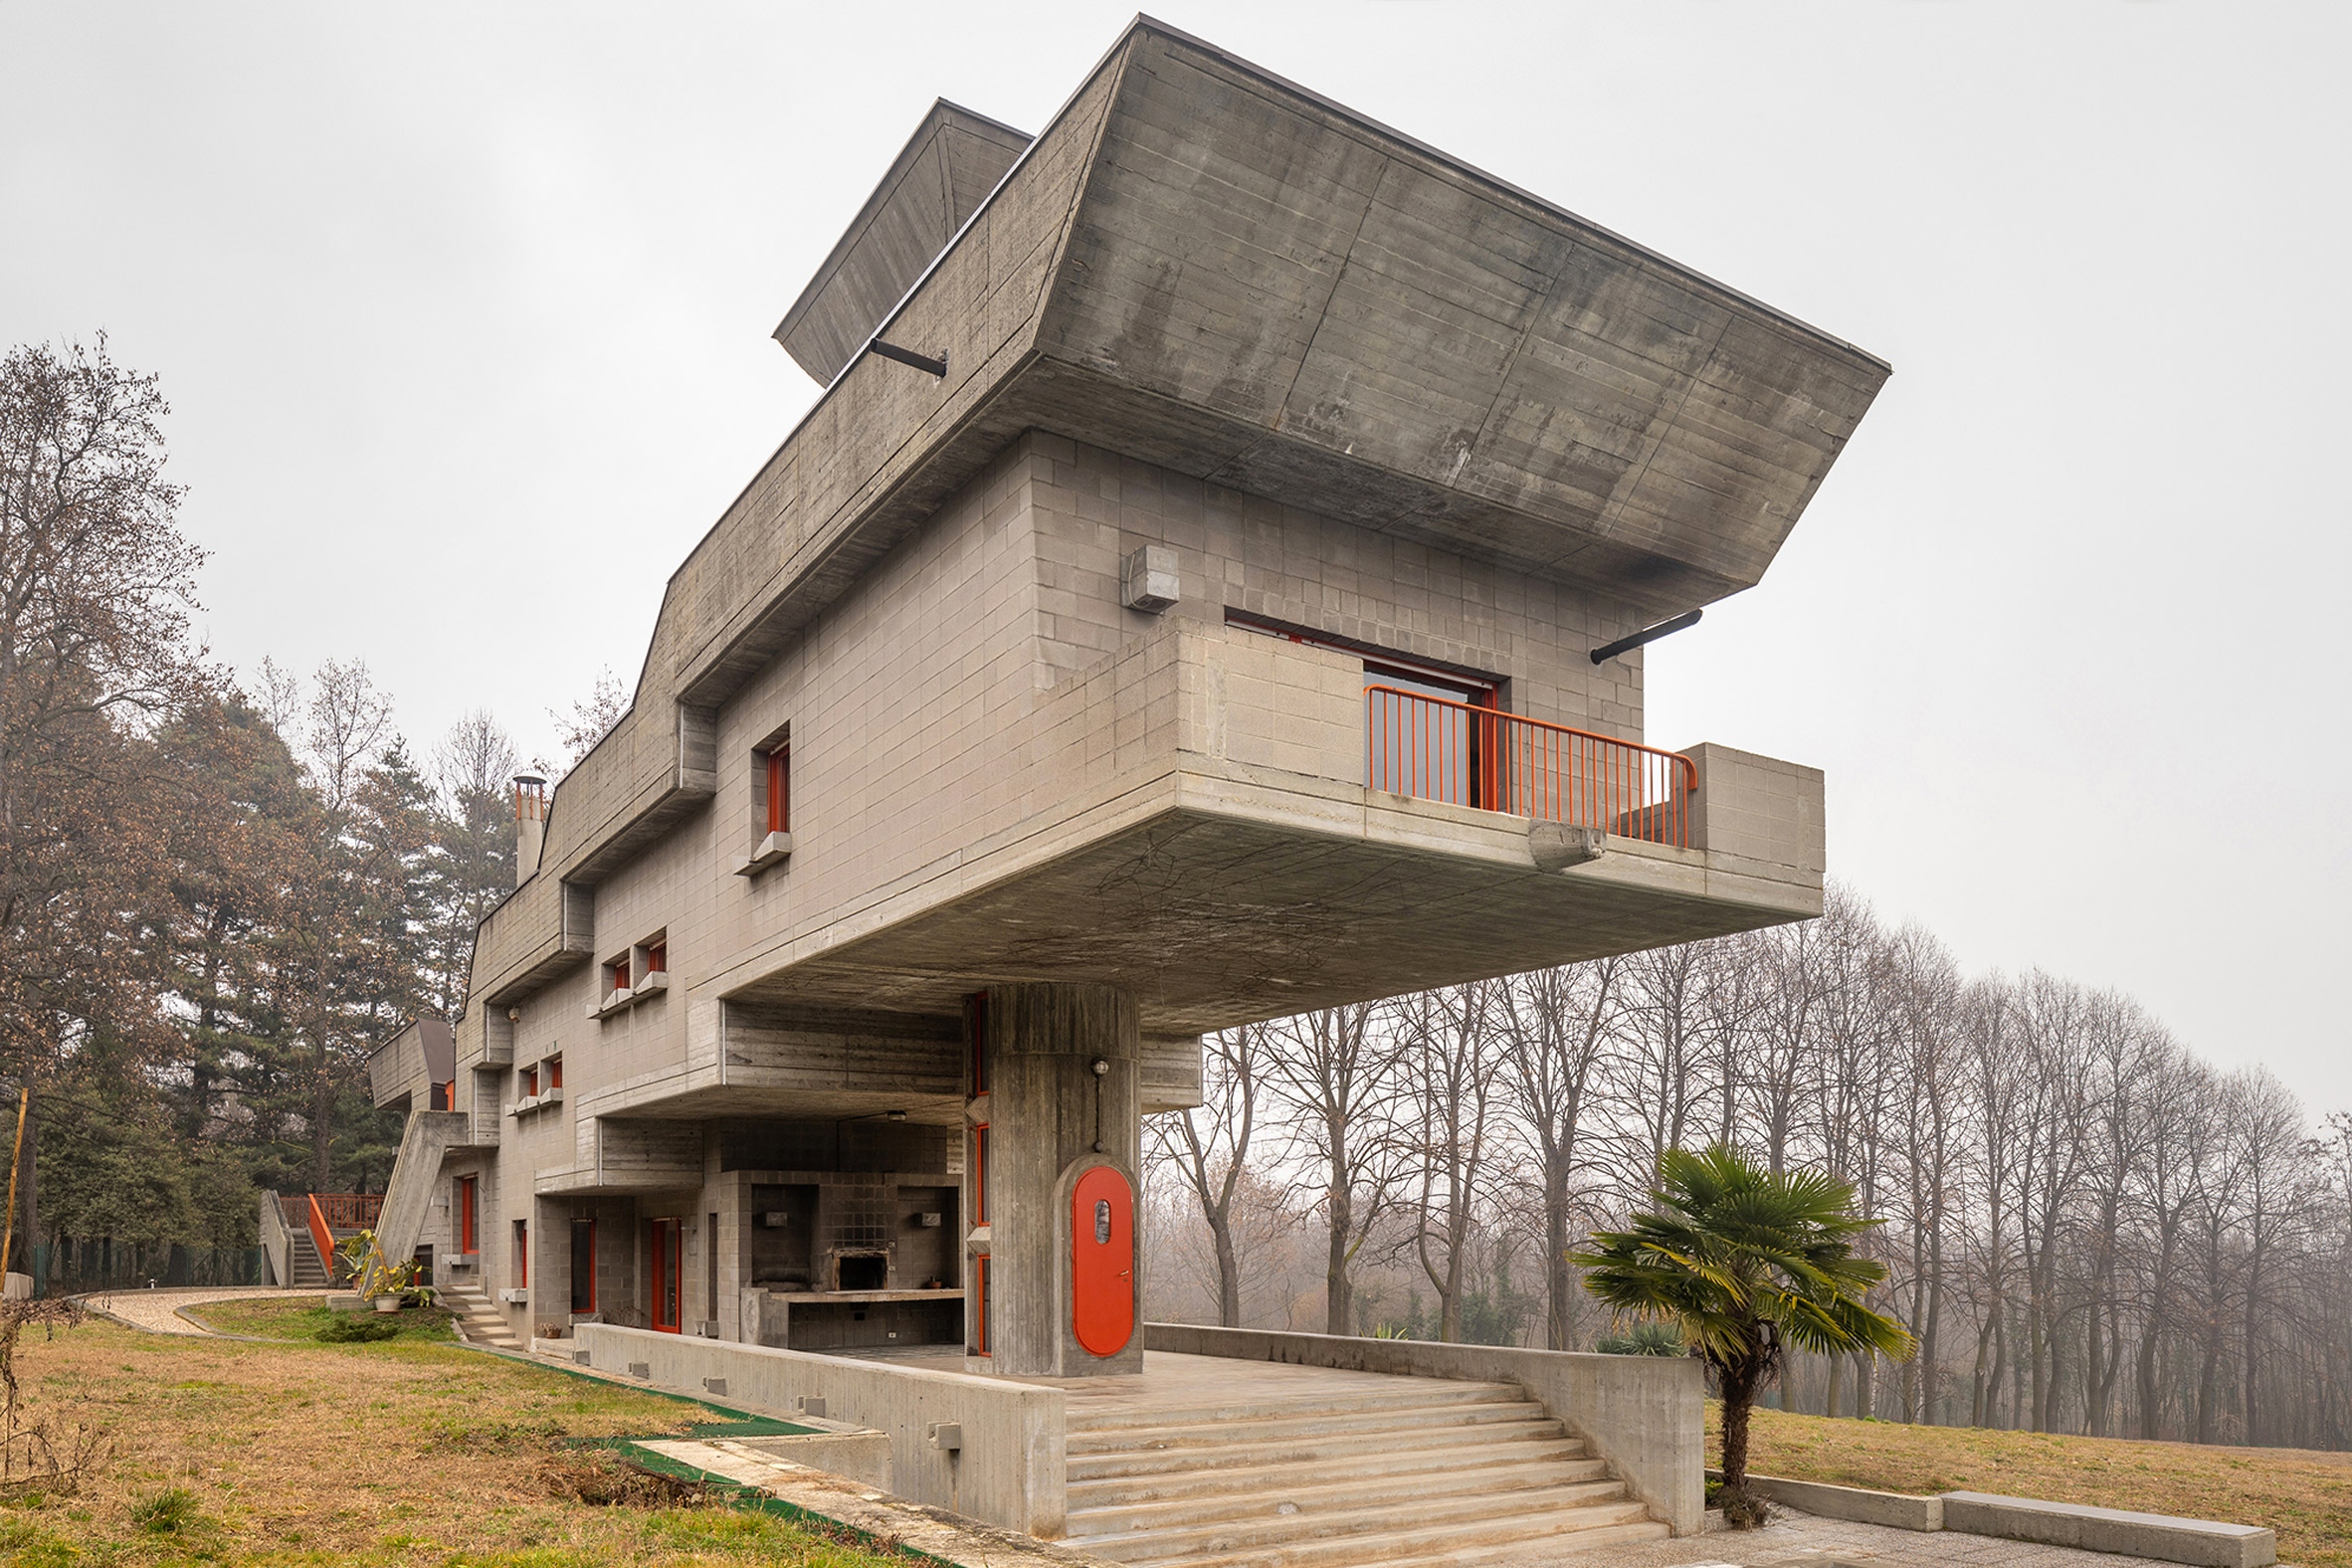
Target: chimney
<point x="530" y="824"/>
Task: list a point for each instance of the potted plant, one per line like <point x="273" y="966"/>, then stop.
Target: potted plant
<point x="377" y="1279"/>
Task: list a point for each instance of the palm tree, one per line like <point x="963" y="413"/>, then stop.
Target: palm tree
<point x="1745" y="1260"/>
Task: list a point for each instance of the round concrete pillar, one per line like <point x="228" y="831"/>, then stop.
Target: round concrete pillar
<point x="1063" y="1075"/>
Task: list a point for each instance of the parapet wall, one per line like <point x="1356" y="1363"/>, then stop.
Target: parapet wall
<point x="1012" y="1466"/>
<point x="1645" y="1415"/>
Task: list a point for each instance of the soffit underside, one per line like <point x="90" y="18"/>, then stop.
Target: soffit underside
<point x="1213" y="921"/>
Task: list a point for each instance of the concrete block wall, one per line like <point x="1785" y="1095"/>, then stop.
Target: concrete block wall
<point x="1092" y="508"/>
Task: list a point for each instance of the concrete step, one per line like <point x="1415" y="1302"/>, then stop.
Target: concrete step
<point x="1309" y="1448"/>
<point x="1309" y="1491"/>
<point x="1282" y="1424"/>
<point x="1565" y="1456"/>
<point x="478" y="1321"/>
<point x="1443" y="1533"/>
<point x="1511" y="1554"/>
<point x="1416" y="1394"/>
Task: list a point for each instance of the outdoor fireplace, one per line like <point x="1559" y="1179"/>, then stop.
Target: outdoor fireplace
<point x="861" y="1271"/>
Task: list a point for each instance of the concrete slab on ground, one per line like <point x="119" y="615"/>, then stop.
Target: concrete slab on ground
<point x="1800" y="1541"/>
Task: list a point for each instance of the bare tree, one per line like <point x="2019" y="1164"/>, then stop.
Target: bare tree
<point x="1556" y="1026"/>
<point x="1338" y="1079"/>
<point x="1208" y="1146"/>
<point x="1449" y="1073"/>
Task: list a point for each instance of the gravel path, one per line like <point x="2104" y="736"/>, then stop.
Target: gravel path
<point x="157" y="1312"/>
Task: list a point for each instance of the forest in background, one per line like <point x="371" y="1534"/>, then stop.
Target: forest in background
<point x="2088" y="1228"/>
<point x="216" y="896"/>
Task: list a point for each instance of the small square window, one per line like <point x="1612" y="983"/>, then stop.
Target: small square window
<point x="657" y="957"/>
<point x="531" y="1082"/>
<point x="616" y="974"/>
<point x="554" y="1072"/>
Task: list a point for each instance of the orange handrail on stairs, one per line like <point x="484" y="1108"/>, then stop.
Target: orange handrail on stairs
<point x="322" y="1237"/>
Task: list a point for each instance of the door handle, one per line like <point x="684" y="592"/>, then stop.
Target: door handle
<point x="1124" y="1273"/>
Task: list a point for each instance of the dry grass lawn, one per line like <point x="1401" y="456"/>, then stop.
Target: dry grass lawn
<point x="2306" y="1496"/>
<point x="234" y="1453"/>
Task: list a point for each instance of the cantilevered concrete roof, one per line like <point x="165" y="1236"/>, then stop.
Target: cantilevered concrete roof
<point x="939" y="179"/>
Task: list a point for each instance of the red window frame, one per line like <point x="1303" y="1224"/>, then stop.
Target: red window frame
<point x="530" y="1081"/>
<point x="980" y="1174"/>
<point x="617" y="974"/>
<point x="668" y="1249"/>
<point x="980" y="1305"/>
<point x="657" y="957"/>
<point x="467" y="1197"/>
<point x="780" y="789"/>
<point x="522" y="1254"/>
<point x="555" y="1065"/>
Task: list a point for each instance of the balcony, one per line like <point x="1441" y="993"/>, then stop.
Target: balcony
<point x="1236" y="827"/>
<point x="1463" y="754"/>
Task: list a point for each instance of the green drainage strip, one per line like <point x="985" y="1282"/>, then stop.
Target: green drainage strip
<point x="741" y="1494"/>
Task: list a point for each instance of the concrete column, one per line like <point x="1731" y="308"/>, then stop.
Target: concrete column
<point x="1052" y="1118"/>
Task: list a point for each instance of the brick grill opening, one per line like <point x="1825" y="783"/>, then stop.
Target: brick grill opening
<point x="863" y="1272"/>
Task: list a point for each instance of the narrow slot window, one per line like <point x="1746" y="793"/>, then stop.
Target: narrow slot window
<point x="980" y="1305"/>
<point x="980" y="1174"/>
<point x="522" y="1254"/>
<point x="780" y="790"/>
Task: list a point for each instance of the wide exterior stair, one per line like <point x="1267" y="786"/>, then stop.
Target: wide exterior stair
<point x="1431" y="1473"/>
<point x="478" y="1320"/>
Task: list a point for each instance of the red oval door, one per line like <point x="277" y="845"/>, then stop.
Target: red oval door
<point x="1102" y="1261"/>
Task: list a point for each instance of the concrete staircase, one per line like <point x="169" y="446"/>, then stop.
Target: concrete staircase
<point x="479" y="1322"/>
<point x="1433" y="1473"/>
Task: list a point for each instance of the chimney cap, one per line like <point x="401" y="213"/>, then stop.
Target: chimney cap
<point x="529" y="780"/>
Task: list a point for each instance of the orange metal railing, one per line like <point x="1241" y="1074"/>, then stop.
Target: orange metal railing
<point x="1434" y="748"/>
<point x="322" y="1237"/>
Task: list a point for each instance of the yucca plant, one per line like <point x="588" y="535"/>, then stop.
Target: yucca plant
<point x="1745" y="1262"/>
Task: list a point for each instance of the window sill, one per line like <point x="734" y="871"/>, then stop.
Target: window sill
<point x="651" y="985"/>
<point x="518" y="1296"/>
<point x="773" y="849"/>
<point x="540" y="1102"/>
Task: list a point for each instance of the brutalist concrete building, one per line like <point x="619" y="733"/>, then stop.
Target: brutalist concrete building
<point x="1190" y="601"/>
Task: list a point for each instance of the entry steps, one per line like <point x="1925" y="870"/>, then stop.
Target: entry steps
<point x="1433" y="1473"/>
<point x="479" y="1322"/>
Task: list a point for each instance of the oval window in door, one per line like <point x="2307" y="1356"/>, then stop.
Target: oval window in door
<point x="1102" y="1262"/>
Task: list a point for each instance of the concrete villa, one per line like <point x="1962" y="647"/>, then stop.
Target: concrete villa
<point x="1181" y="608"/>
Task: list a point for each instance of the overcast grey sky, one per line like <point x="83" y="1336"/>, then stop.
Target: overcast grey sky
<point x="464" y="313"/>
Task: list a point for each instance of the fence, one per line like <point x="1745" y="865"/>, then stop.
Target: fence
<point x="75" y="1264"/>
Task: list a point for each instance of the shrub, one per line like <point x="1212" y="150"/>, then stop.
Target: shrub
<point x="359" y="1328"/>
<point x="1644" y="1339"/>
<point x="167" y="1512"/>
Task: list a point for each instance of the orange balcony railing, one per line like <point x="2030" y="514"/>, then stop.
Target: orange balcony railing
<point x="1434" y="748"/>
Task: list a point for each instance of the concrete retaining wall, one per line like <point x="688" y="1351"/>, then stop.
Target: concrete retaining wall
<point x="1012" y="1470"/>
<point x="1896" y="1511"/>
<point x="1645" y="1415"/>
<point x="2201" y="1541"/>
